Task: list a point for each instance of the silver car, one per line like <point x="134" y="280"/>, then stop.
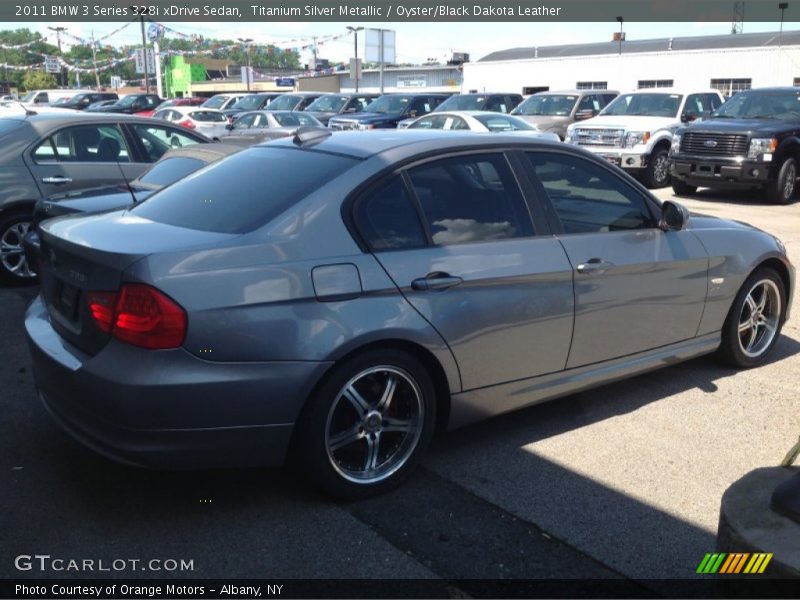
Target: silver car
<point x="339" y="298"/>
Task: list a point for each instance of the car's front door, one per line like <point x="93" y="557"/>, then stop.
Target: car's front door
<point x="456" y="237"/>
<point x="82" y="156"/>
<point x="637" y="287"/>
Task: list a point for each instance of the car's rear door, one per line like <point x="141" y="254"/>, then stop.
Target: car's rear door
<point x="637" y="287"/>
<point x="456" y="236"/>
<point x="82" y="156"/>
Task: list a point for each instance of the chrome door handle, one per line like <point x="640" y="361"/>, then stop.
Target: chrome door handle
<point x="594" y="265"/>
<point x="57" y="180"/>
<point x="435" y="281"/>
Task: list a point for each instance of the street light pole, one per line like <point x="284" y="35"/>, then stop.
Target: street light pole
<point x="144" y="58"/>
<point x="355" y="31"/>
<point x="782" y="6"/>
<point x="620" y="19"/>
<point x="58" y="31"/>
<point x="246" y="42"/>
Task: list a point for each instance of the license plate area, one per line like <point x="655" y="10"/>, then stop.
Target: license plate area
<point x="67" y="297"/>
<point x="614" y="160"/>
<point x="705" y="170"/>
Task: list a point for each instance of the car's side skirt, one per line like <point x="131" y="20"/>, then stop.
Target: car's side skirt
<point x="475" y="405"/>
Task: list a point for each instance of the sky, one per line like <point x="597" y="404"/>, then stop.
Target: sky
<point x="417" y="42"/>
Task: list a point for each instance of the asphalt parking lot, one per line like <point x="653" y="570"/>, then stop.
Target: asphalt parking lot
<point x="623" y="481"/>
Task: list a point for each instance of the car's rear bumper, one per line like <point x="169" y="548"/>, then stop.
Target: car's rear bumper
<point x="168" y="409"/>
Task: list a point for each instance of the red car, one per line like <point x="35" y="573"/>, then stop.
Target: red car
<point x="195" y="101"/>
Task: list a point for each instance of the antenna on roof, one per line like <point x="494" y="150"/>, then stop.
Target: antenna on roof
<point x="737" y="26"/>
<point x="28" y="111"/>
<point x="310" y="135"/>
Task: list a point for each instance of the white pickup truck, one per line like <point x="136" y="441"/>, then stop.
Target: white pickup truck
<point x="635" y="130"/>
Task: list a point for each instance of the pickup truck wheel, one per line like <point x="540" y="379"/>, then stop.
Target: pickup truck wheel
<point x="681" y="188"/>
<point x="656" y="175"/>
<point x="781" y="191"/>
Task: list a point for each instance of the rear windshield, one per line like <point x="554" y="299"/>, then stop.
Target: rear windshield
<point x="169" y="170"/>
<point x="245" y="191"/>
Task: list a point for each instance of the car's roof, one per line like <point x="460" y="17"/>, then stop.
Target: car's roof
<point x="476" y="94"/>
<point x="364" y="144"/>
<point x="468" y="113"/>
<point x="777" y="88"/>
<point x="190" y="109"/>
<point x="673" y="90"/>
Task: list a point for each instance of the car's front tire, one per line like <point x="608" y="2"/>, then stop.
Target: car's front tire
<point x="368" y="424"/>
<point x="781" y="190"/>
<point x="755" y="319"/>
<point x="14" y="268"/>
<point x="656" y="175"/>
<point x="681" y="188"/>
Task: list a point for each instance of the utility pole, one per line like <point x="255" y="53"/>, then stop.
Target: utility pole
<point x="246" y="42"/>
<point x="58" y="31"/>
<point x="144" y="58"/>
<point x="94" y="61"/>
<point x="620" y="19"/>
<point x="355" y="31"/>
<point x="782" y="6"/>
<point x="314" y="50"/>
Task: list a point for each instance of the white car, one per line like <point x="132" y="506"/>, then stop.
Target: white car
<point x="208" y="121"/>
<point x="635" y="130"/>
<point x="222" y="101"/>
<point x="479" y="121"/>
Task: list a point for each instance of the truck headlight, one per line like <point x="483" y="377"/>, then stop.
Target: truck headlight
<point x="634" y="138"/>
<point x="760" y="146"/>
<point x="365" y="126"/>
<point x="676" y="143"/>
<point x="568" y="136"/>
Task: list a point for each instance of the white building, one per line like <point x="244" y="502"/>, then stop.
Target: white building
<point x="726" y="62"/>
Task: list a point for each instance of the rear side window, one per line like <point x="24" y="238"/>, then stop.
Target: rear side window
<point x="208" y="116"/>
<point x="245" y="191"/>
<point x="170" y="170"/>
<point x="472" y="198"/>
<point x="387" y="220"/>
<point x="84" y="143"/>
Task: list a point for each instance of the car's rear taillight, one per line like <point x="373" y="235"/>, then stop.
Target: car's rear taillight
<point x="188" y="124"/>
<point x="140" y="315"/>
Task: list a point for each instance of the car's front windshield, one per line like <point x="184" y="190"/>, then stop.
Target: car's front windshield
<point x="327" y="104"/>
<point x="28" y="97"/>
<point x="248" y="103"/>
<point x="285" y="102"/>
<point x="644" y="105"/>
<point x="466" y="102"/>
<point x="388" y="105"/>
<point x="549" y="105"/>
<point x="784" y="105"/>
<point x="214" y="102"/>
<point x="127" y="101"/>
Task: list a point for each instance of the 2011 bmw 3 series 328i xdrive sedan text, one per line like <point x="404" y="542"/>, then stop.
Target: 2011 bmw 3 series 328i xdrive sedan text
<point x="338" y="298"/>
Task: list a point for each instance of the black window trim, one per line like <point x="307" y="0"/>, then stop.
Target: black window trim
<point x="513" y="156"/>
<point x="652" y="205"/>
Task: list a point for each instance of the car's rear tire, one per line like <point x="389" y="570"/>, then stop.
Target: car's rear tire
<point x="656" y="175"/>
<point x="754" y="322"/>
<point x="681" y="188"/>
<point x="14" y="268"/>
<point x="781" y="190"/>
<point x="367" y="425"/>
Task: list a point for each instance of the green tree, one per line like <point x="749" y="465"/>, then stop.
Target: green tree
<point x="39" y="80"/>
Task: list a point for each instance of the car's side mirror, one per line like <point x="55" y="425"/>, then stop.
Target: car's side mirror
<point x="582" y="115"/>
<point x="688" y="117"/>
<point x="229" y="126"/>
<point x="674" y="216"/>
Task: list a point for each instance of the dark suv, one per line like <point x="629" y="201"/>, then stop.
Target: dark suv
<point x="82" y="101"/>
<point x="132" y="104"/>
<point x="388" y="110"/>
<point x="750" y="142"/>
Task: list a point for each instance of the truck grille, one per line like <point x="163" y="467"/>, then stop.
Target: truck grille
<point x="611" y="138"/>
<point x="342" y="125"/>
<point x="714" y="144"/>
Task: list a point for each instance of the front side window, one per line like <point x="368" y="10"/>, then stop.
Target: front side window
<point x="84" y="143"/>
<point x="285" y="102"/>
<point x="550" y="105"/>
<point x="500" y="123"/>
<point x="469" y="199"/>
<point x="156" y="140"/>
<point x="588" y="198"/>
<point x="387" y="220"/>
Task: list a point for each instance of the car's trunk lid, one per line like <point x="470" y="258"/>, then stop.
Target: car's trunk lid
<point x="91" y="254"/>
